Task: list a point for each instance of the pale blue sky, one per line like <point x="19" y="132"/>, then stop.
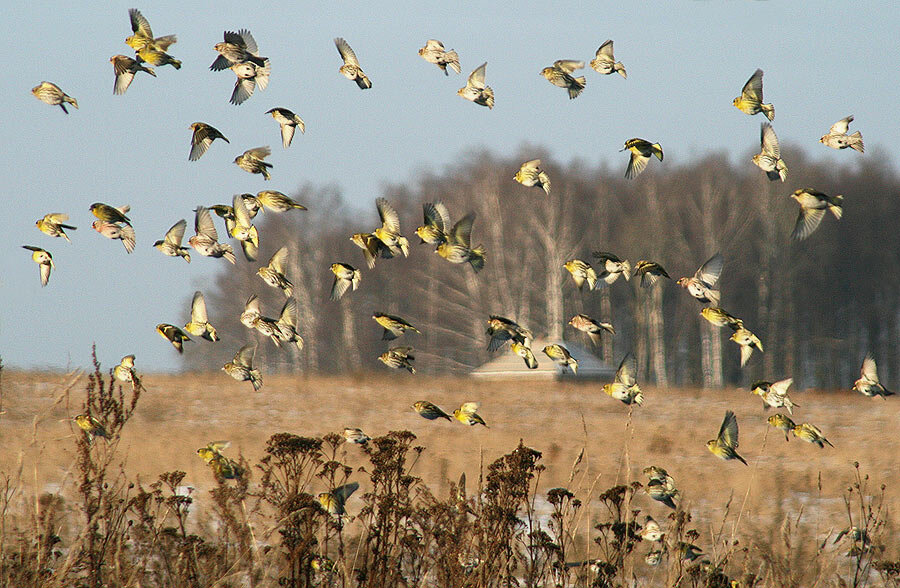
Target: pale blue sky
<point x="685" y="62"/>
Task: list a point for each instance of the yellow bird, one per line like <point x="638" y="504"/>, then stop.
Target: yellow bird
<point x="641" y="152"/>
<point x="750" y="100"/>
<point x="467" y="415"/>
<point x="725" y="445"/>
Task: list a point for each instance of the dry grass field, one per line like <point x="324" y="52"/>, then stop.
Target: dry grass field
<point x="793" y="480"/>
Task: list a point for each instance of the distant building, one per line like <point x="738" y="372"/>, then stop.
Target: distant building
<point x="506" y="365"/>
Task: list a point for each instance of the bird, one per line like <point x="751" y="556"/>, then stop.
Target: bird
<point x="433" y="52"/>
<point x="837" y="137"/>
<point x="561" y="355"/>
<point x="275" y="201"/>
<point x="389" y="231"/>
<point x="171" y="244"/>
<point x="560" y="74"/>
<point x="661" y="486"/>
<point x="751" y="99"/>
<point x="251" y="161"/>
<point x="236" y="48"/>
<point x="173" y="335"/>
<point x="398" y="358"/>
<point x="125" y="69"/>
<point x="724" y="446"/>
<point x="91" y="427"/>
<point x="334" y="501"/>
<point x="702" y="285"/>
<point x="525" y="353"/>
<point x="467" y="414"/>
<point x="287" y="323"/>
<point x="650" y="272"/>
<point x="53" y="224"/>
<point x="593" y="328"/>
<point x="769" y="157"/>
<point x="457" y="247"/>
<point x="811" y="434"/>
<point x="720" y="317"/>
<point x="436" y="224"/>
<point x="747" y="340"/>
<point x="475" y="89"/>
<point x="430" y="411"/>
<point x="221" y="466"/>
<point x="44" y="260"/>
<point x="605" y="63"/>
<point x="289" y="122"/>
<point x="206" y="241"/>
<point x="241" y="367"/>
<point x="254" y="320"/>
<point x="868" y="384"/>
<point x="142" y="35"/>
<point x="612" y="267"/>
<point x="651" y="530"/>
<point x="502" y="329"/>
<point x="111" y="214"/>
<point x="783" y="422"/>
<point x="273" y="272"/>
<point x="688" y="551"/>
<point x="582" y="271"/>
<point x="813" y="205"/>
<point x="248" y="77"/>
<point x="345" y="276"/>
<point x="199" y="324"/>
<point x="530" y="174"/>
<point x="116" y="231"/>
<point x="351" y="68"/>
<point x="243" y="229"/>
<point x="394" y="326"/>
<point x="157" y="57"/>
<point x="372" y="247"/>
<point x="641" y="152"/>
<point x="355" y="435"/>
<point x="774" y="394"/>
<point x="202" y="137"/>
<point x="625" y="387"/>
<point x="51" y="94"/>
<point x="653" y="557"/>
<point x="124" y="372"/>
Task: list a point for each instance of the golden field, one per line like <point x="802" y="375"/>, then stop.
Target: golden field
<point x="179" y="413"/>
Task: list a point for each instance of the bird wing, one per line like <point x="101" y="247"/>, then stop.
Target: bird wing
<point x="728" y="432"/>
<point x="568" y="65"/>
<point x="56" y="217"/>
<point x="390" y="219"/>
<point x="249" y="42"/>
<point x="841" y="127"/>
<point x="434" y="44"/>
<point x="339" y="287"/>
<point x="769" y="141"/>
<point x="243" y="89"/>
<point x="290" y="313"/>
<point x="636" y="164"/>
<point x="163" y="43"/>
<point x="807" y="221"/>
<point x="244" y="356"/>
<point x="469" y="407"/>
<point x="710" y="271"/>
<point x="287" y="134"/>
<point x="606" y="49"/>
<point x="869" y="370"/>
<point x="139" y="24"/>
<point x="203" y="224"/>
<point x="198" y="309"/>
<point x="627" y="372"/>
<point x="278" y="260"/>
<point x="780" y="388"/>
<point x="533" y="164"/>
<point x="342" y="493"/>
<point x="45" y="273"/>
<point x="433" y="217"/>
<point x="124" y="76"/>
<point x="476" y="78"/>
<point x="252" y="304"/>
<point x="259" y="152"/>
<point x="175" y="234"/>
<point x="462" y="230"/>
<point x="753" y="89"/>
<point x="241" y="213"/>
<point x="346" y="52"/>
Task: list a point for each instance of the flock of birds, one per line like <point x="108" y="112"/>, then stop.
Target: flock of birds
<point x="239" y="52"/>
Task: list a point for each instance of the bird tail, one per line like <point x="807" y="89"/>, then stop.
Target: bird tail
<point x="411" y="369"/>
<point x="452" y="60"/>
<point x="256" y="379"/>
<point x="476" y="258"/>
<point x="488" y="93"/>
<point x="577" y="87"/>
<point x="626" y="269"/>
<point x="175" y="63"/>
<point x="657" y="151"/>
<point x="228" y="253"/>
<point x="573" y="365"/>
<point x="638" y="396"/>
<point x="592" y="279"/>
<point x="836" y="207"/>
<point x="545" y="182"/>
<point x="149" y="70"/>
<point x="620" y="69"/>
<point x="856" y="142"/>
<point x="768" y="110"/>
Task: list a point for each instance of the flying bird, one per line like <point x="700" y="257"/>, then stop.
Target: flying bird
<point x="334" y="501"/>
<point x="725" y="445"/>
<point x="206" y="241"/>
<point x="389" y="231"/>
<point x="273" y="273"/>
<point x="592" y="328"/>
<point x="751" y="99"/>
<point x="51" y="94"/>
<point x="53" y="224"/>
<point x="783" y="422"/>
<point x="124" y="372"/>
<point x="625" y="386"/>
<point x="813" y="205"/>
<point x="351" y="68"/>
<point x="582" y="272"/>
<point x="171" y="244"/>
<point x="173" y="335"/>
<point x="702" y="285"/>
<point x="125" y="69"/>
<point x="837" y="137"/>
<point x="612" y="267"/>
<point x="775" y="394"/>
<point x="811" y="434"/>
<point x="142" y="35"/>
<point x="430" y="411"/>
<point x="91" y="427"/>
<point x="251" y="161"/>
<point x="560" y="74"/>
<point x="248" y="77"/>
<point x="372" y="247"/>
<point x="436" y="224"/>
<point x="202" y="137"/>
<point x="720" y="317"/>
<point x="237" y="48"/>
<point x="433" y="52"/>
<point x="243" y="229"/>
<point x="44" y="260"/>
<point x="524" y="351"/>
<point x="289" y="122"/>
<point x="747" y="340"/>
<point x="530" y="174"/>
<point x="345" y="276"/>
<point x="393" y="326"/>
<point x="769" y="157"/>
<point x="641" y="152"/>
<point x="605" y="62"/>
<point x="355" y="435"/>
<point x="561" y="355"/>
<point x="868" y="383"/>
<point x="398" y="358"/>
<point x="199" y="324"/>
<point x="502" y="329"/>
<point x="123" y="232"/>
<point x="457" y="246"/>
<point x="241" y="367"/>
<point x="475" y="89"/>
<point x="467" y="414"/>
<point x="111" y="214"/>
<point x="274" y="201"/>
<point x="650" y="272"/>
